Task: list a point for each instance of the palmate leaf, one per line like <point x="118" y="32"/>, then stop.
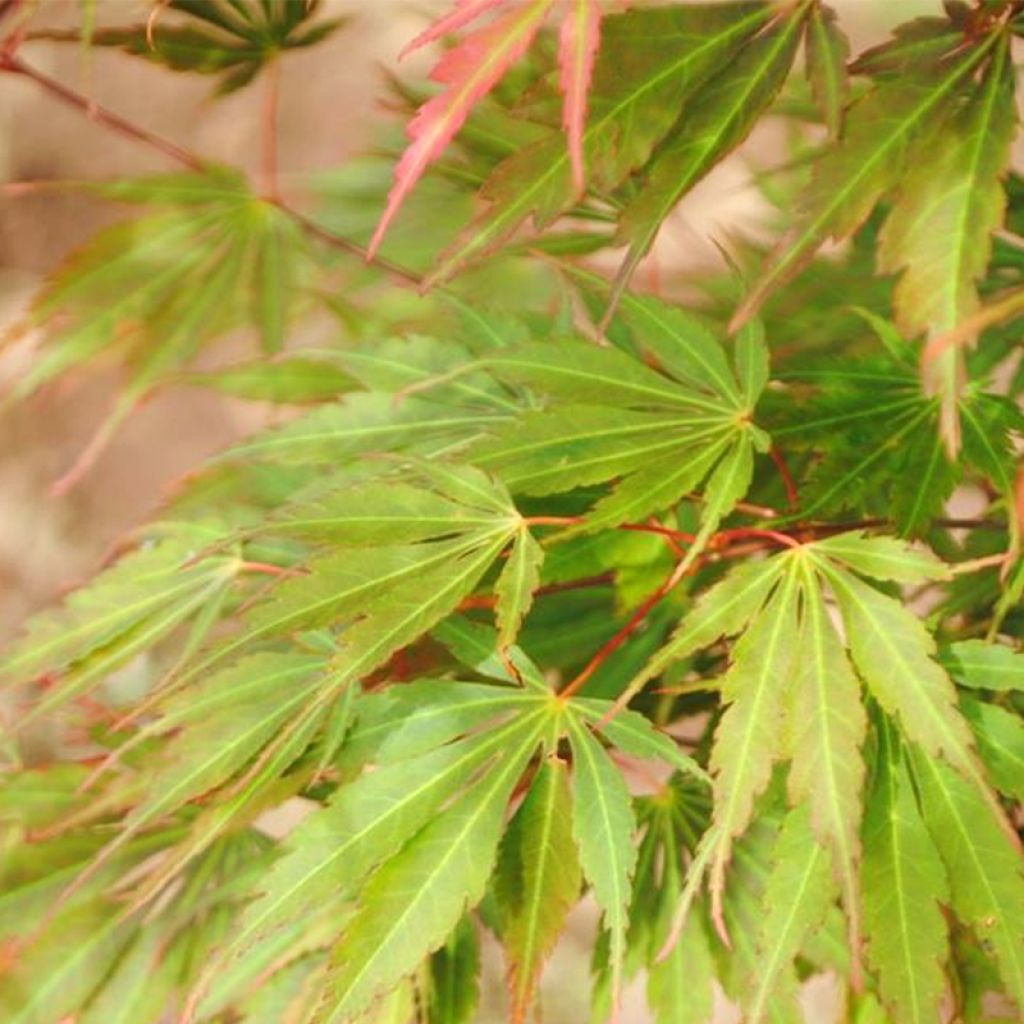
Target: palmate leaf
<point x="635" y="98"/>
<point x="133" y="605"/>
<point x="903" y="884"/>
<point x="537" y="881"/>
<point x="208" y="257"/>
<point x="665" y="434"/>
<point x="413" y="902"/>
<point x="717" y="117"/>
<point x="962" y="192"/>
<point x="800" y="701"/>
<point x="467" y="72"/>
<point x="332" y="852"/>
<point x="394" y="590"/>
<point x="871" y="156"/>
<point x="235" y="41"/>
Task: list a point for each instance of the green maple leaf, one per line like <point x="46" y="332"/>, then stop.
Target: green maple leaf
<point x="871" y="157"/>
<point x="634" y="100"/>
<point x="218" y="37"/>
<point x="537" y="881"/>
<point x="904" y="883"/>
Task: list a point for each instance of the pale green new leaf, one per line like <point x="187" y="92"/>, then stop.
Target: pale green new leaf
<point x="538" y="880"/>
<point x="368" y="821"/>
<point x="603" y="825"/>
<point x="414" y="901"/>
<point x="904" y="882"/>
<point x="985" y="872"/>
<point x="798" y="894"/>
<point x="827" y="727"/>
<point x="748" y="739"/>
<point x="893" y="653"/>
<point x="883" y="558"/>
<point x="515" y="586"/>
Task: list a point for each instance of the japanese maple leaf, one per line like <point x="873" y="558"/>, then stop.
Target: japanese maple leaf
<point x="475" y="65"/>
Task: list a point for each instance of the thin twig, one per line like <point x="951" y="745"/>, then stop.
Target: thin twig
<point x="115" y="122"/>
<point x="792" y="498"/>
<point x="101" y="115"/>
<point x="268" y="134"/>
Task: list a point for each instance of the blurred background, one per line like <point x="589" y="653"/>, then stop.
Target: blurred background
<point x="331" y="109"/>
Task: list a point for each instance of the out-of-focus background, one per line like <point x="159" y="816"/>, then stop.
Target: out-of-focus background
<point x="330" y="110"/>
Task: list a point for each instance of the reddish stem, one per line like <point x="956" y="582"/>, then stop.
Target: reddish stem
<point x="792" y="498"/>
<point x="94" y="112"/>
<point x="726" y="537"/>
<point x="615" y="642"/>
<point x="271" y="94"/>
<point x="266" y="569"/>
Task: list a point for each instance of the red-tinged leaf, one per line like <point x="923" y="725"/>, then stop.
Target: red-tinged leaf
<point x="865" y="165"/>
<point x="577" y="47"/>
<point x="469" y="72"/>
<point x="464" y="12"/>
